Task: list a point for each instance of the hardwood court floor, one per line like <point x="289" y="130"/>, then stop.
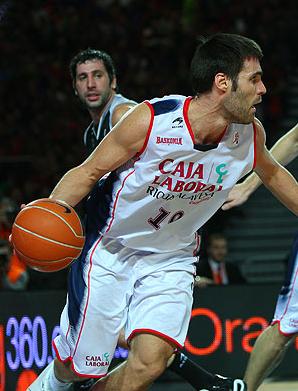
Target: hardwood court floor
<point x="280" y="386"/>
<point x="273" y="385"/>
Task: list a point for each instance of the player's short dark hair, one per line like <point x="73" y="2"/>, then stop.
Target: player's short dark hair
<point x="92" y="54"/>
<point x="216" y="236"/>
<point x="220" y="52"/>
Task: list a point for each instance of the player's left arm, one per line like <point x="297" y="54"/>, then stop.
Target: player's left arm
<point x="120" y="111"/>
<point x="275" y="177"/>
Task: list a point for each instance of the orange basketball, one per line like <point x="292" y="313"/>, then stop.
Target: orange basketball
<point x="47" y="235"/>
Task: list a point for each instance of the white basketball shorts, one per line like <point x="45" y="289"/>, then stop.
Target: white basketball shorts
<point x="286" y="311"/>
<point x="116" y="287"/>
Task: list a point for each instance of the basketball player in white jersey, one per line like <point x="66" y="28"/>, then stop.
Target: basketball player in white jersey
<point x="94" y="81"/>
<point x="93" y="76"/>
<point x="173" y="162"/>
<point x="273" y="342"/>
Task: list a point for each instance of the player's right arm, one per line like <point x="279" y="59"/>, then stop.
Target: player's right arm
<point x="284" y="151"/>
<point x="124" y="141"/>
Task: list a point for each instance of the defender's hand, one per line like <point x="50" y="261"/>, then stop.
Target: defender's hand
<point x="237" y="196"/>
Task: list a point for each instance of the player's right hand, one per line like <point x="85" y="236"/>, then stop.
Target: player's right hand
<point x="237" y="196"/>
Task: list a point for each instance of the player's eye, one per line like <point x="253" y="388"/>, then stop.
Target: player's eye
<point x="256" y="79"/>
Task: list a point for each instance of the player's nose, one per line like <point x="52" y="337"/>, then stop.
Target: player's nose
<point x="90" y="82"/>
<point x="261" y="88"/>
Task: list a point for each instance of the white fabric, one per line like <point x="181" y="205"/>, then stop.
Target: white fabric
<point x="286" y="311"/>
<point x="47" y="381"/>
<point x="156" y="287"/>
<point x="173" y="185"/>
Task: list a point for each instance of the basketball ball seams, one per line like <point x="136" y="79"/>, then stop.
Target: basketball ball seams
<point x="47" y="235"/>
<point x="48" y="239"/>
<point x="60" y="217"/>
<point x="44" y="262"/>
<point x="63" y="204"/>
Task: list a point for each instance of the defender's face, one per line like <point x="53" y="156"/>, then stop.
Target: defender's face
<point x="92" y="84"/>
<point x="240" y="104"/>
<point x="218" y="249"/>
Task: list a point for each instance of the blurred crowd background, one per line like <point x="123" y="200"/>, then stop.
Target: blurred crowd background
<point x="151" y="42"/>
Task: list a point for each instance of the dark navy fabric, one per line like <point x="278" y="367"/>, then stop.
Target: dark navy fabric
<point x="97" y="214"/>
<point x="205" y="147"/>
<point x="291" y="267"/>
<point x="165" y="106"/>
<point x="90" y="137"/>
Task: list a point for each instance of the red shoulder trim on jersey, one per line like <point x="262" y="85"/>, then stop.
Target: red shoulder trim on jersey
<point x="154" y="332"/>
<point x="149" y="129"/>
<point x="255" y="146"/>
<point x="185" y="115"/>
<point x="198" y="244"/>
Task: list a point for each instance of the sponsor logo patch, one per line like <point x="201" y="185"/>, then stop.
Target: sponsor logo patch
<point x="98" y="361"/>
<point x="177" y="123"/>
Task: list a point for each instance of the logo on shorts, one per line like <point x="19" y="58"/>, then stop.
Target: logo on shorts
<point x="98" y="361"/>
<point x="293" y="322"/>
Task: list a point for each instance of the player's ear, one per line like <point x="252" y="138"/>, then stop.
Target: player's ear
<point x="114" y="83"/>
<point x="74" y="88"/>
<point x="222" y="82"/>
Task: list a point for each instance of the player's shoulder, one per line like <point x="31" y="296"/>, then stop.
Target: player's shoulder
<point x="255" y="126"/>
<point x="260" y="131"/>
<point x="121" y="105"/>
<point x="167" y="103"/>
<point x="119" y="100"/>
<point x="258" y="124"/>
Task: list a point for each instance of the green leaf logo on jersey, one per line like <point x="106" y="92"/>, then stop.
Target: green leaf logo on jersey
<point x="220" y="172"/>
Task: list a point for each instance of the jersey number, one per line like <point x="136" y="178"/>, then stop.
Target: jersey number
<point x="162" y="215"/>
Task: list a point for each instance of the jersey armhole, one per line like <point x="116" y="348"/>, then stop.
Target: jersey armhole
<point x="149" y="128"/>
<point x="255" y="145"/>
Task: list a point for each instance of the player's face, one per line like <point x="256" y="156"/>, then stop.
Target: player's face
<point x="218" y="249"/>
<point x="92" y="84"/>
<point x="240" y="103"/>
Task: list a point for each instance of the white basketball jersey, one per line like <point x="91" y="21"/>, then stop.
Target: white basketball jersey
<point x="159" y="201"/>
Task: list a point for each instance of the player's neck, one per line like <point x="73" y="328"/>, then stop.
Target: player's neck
<point x="207" y="120"/>
<point x="97" y="112"/>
